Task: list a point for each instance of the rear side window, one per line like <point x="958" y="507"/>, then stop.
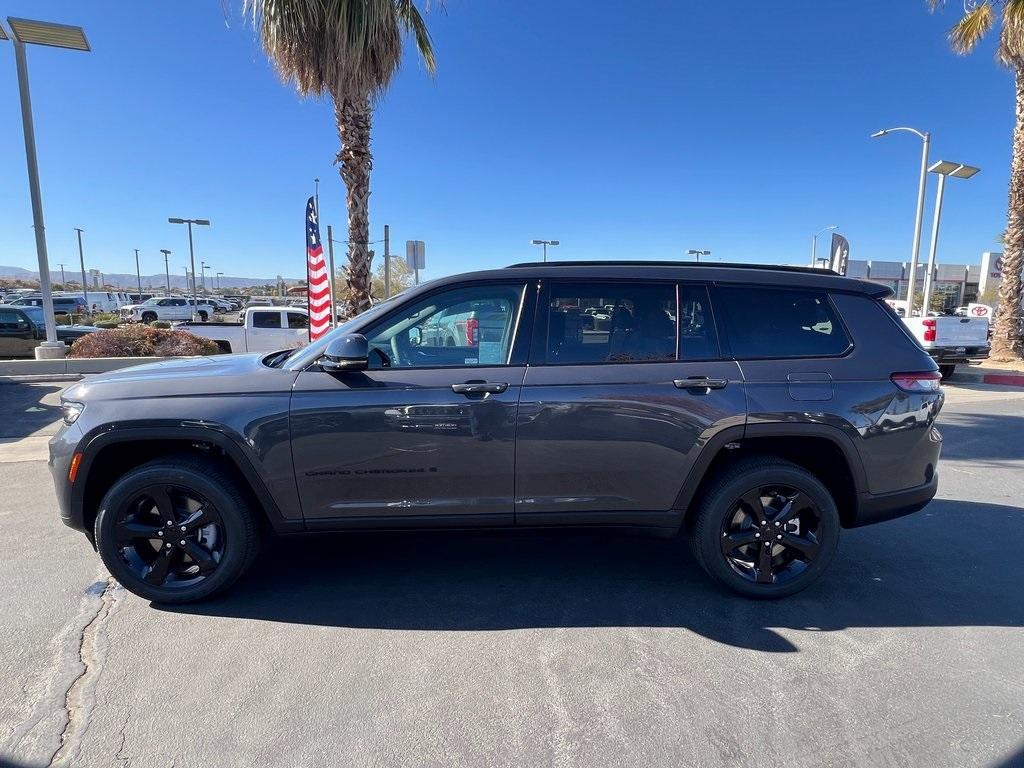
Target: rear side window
<point x="770" y="322"/>
<point x="296" y="320"/>
<point x="266" y="319"/>
<point x="607" y="322"/>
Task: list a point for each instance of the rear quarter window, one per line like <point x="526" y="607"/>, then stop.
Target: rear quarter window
<point x="780" y="322"/>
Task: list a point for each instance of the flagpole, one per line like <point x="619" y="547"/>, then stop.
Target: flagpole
<point x="330" y="280"/>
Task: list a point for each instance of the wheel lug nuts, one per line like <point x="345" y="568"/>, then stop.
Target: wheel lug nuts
<point x="182" y="542"/>
<point x="183" y="529"/>
<point x="159" y="533"/>
<point x="757" y="535"/>
<point x="170" y="523"/>
<point x="168" y="545"/>
<point x="777" y="524"/>
<point x="779" y="537"/>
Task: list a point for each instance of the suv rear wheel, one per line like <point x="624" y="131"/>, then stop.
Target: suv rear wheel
<point x="175" y="530"/>
<point x="765" y="528"/>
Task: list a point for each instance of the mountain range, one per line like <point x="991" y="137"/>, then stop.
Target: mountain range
<point x="130" y="281"/>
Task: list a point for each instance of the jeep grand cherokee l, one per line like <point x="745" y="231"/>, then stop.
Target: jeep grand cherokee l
<point x="755" y="410"/>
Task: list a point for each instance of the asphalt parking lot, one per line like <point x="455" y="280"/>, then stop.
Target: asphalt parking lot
<point x="513" y="649"/>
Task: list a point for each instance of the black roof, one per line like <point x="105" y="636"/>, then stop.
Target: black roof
<point x="673" y="264"/>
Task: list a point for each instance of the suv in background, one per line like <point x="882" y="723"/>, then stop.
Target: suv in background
<point x="756" y="410"/>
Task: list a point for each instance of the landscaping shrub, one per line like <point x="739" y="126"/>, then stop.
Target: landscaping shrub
<point x="141" y="341"/>
<point x="159" y="324"/>
<point x="105" y="324"/>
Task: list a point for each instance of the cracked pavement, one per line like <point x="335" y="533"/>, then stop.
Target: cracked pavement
<point x="567" y="649"/>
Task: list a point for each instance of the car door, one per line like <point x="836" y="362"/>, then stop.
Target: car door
<point x="616" y="405"/>
<point x="17" y="337"/>
<point x="427" y="433"/>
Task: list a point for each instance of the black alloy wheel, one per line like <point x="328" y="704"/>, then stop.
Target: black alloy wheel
<point x="771" y="536"/>
<point x="170" y="536"/>
<point x="765" y="528"/>
<point x="177" y="529"/>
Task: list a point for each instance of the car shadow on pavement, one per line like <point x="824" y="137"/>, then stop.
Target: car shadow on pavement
<point x="952" y="564"/>
<point x="25" y="411"/>
<point x="982" y="437"/>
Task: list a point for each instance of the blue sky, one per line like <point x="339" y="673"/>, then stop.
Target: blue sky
<point x="737" y="127"/>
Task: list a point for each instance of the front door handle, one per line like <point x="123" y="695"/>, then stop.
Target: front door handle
<point x="701" y="382"/>
<point x="478" y="388"/>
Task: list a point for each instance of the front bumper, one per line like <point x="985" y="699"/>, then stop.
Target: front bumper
<point x="62" y="449"/>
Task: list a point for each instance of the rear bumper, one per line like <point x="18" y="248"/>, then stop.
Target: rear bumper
<point x="951" y="355"/>
<point x="878" y="507"/>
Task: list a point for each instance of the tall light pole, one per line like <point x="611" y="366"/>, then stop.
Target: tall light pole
<point x="926" y="140"/>
<point x="63" y="282"/>
<point x="544" y="243"/>
<point x="218" y="280"/>
<point x="814" y="242"/>
<point x="697" y="254"/>
<point x="192" y="255"/>
<point x="81" y="261"/>
<point x="25" y="31"/>
<point x="167" y="269"/>
<point x="943" y="168"/>
<point x="205" y="268"/>
<point x="138" y="274"/>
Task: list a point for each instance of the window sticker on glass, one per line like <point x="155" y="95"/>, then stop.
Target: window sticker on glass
<point x="471" y="361"/>
<point x="490" y="352"/>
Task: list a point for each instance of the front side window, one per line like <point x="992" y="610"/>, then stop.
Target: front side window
<point x="266" y="319"/>
<point x="598" y="322"/>
<point x="461" y="327"/>
<point x="772" y="322"/>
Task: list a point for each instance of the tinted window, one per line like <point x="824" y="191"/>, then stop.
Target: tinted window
<point x="461" y="327"/>
<point x="296" y="320"/>
<point x="11" y="320"/>
<point x="768" y="322"/>
<point x="697" y="337"/>
<point x="266" y="319"/>
<point x="592" y="322"/>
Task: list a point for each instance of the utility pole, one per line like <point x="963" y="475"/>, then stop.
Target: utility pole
<point x="138" y="274"/>
<point x="62" y="280"/>
<point x="387" y="262"/>
<point x="330" y="258"/>
<point x="81" y="260"/>
<point x="167" y="269"/>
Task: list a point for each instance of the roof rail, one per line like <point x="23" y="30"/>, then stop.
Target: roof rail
<point x="676" y="264"/>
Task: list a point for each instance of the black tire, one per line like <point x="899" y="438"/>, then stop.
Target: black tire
<point x="203" y="316"/>
<point x="722" y="517"/>
<point x="148" y="317"/>
<point x="233" y="528"/>
<point x="946" y="371"/>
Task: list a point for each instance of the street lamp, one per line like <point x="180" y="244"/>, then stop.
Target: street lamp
<point x="218" y="280"/>
<point x="191" y="254"/>
<point x="81" y="261"/>
<point x="167" y="269"/>
<point x="63" y="282"/>
<point x="943" y="168"/>
<point x="697" y="254"/>
<point x="202" y="274"/>
<point x="544" y="243"/>
<point x="814" y="242"/>
<point x="25" y="31"/>
<point x="926" y="139"/>
<point x="138" y="274"/>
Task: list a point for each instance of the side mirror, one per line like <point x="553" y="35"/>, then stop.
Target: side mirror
<point x="350" y="352"/>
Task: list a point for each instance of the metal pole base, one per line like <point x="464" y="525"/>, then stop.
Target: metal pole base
<point x="51" y="350"/>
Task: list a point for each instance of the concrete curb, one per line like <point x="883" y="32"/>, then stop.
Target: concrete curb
<point x="966" y="375"/>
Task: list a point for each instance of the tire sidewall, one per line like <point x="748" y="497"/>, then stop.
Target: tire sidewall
<point x="721" y="504"/>
<point x="233" y="524"/>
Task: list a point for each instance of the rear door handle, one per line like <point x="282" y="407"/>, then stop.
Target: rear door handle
<point x="478" y="388"/>
<point x="701" y="382"/>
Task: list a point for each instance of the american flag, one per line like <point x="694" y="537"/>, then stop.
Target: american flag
<point x="316" y="276"/>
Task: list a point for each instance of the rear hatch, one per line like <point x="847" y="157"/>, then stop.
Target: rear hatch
<point x="961" y="332"/>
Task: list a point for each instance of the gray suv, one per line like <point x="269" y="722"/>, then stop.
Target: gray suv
<point x="755" y="410"/>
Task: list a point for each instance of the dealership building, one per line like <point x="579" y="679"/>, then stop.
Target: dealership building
<point x="957" y="284"/>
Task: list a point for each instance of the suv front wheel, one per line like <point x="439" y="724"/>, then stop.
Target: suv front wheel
<point x="765" y="528"/>
<point x="176" y="530"/>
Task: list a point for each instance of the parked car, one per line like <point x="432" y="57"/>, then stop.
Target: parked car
<point x="262" y="329"/>
<point x="951" y="340"/>
<point x="758" y="411"/>
<point x="259" y="301"/>
<point x="22" y="328"/>
<point x="62" y="305"/>
<point x="167" y="308"/>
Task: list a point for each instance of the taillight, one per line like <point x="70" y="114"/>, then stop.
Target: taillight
<point x="922" y="381"/>
<point x="929" y="329"/>
<point x="472" y="331"/>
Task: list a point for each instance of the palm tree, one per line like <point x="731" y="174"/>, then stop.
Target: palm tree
<point x="349" y="50"/>
<point x="980" y="16"/>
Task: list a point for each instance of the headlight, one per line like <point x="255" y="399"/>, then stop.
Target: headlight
<point x="71" y="411"/>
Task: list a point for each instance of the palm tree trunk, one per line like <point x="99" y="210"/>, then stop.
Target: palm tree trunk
<point x="355" y="117"/>
<point x="1006" y="336"/>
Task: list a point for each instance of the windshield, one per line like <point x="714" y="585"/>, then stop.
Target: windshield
<point x="302" y="357"/>
<point x="155" y="300"/>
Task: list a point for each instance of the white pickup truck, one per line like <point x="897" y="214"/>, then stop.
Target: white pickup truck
<point x="950" y="340"/>
<point x="261" y="329"/>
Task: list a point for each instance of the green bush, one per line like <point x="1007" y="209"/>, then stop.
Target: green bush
<point x="142" y="341"/>
<point x="105" y="324"/>
<point x="159" y="324"/>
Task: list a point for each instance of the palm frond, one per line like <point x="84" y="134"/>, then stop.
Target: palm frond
<point x="411" y="20"/>
<point x="1011" y="40"/>
<point x="975" y="24"/>
<point x="934" y="5"/>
